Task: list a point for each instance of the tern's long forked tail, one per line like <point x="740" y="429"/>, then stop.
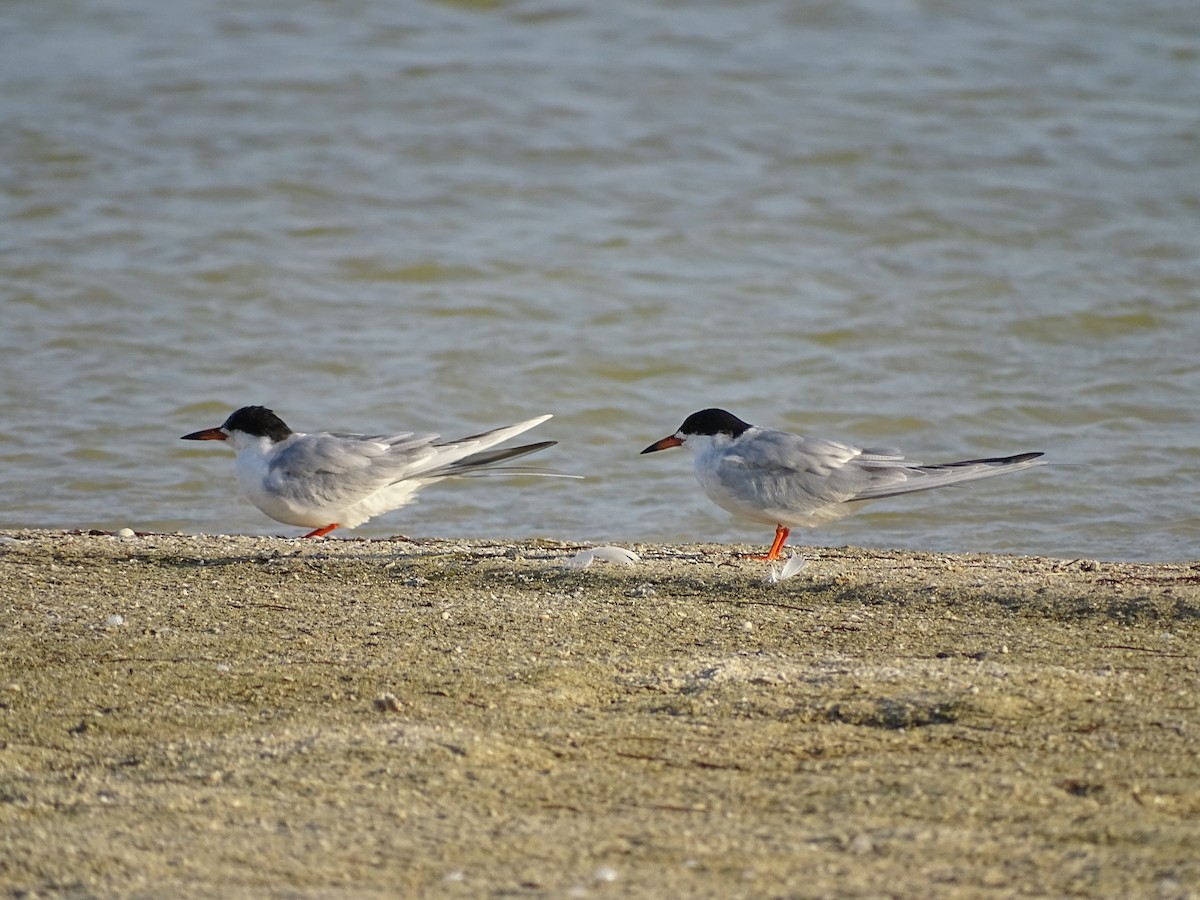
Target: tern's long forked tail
<point x="485" y="462"/>
<point x="926" y="478"/>
<point x="473" y="455"/>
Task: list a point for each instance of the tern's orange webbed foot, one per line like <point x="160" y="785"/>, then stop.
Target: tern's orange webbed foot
<point x="321" y="532"/>
<point x="781" y="535"/>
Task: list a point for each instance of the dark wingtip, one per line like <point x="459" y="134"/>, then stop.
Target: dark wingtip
<point x="486" y="458"/>
<point x="999" y="460"/>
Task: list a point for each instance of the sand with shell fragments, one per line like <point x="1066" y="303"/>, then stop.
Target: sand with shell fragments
<point x="244" y="717"/>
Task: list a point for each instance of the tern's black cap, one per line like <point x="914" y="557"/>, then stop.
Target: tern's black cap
<point x="713" y="421"/>
<point x="259" y="422"/>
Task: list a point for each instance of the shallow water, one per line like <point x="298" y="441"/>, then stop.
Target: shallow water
<point x="962" y="232"/>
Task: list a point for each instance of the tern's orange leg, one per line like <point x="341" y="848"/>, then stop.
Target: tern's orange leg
<point x="781" y="535"/>
<point x="321" y="532"/>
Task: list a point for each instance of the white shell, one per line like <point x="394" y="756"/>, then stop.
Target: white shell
<point x="619" y="555"/>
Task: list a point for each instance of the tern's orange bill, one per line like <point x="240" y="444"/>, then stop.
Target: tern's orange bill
<point x="665" y="444"/>
<point x="208" y="434"/>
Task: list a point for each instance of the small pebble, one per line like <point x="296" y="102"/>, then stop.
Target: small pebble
<point x="388" y="703"/>
<point x="862" y="843"/>
<point x="114" y="620"/>
<point x="126" y="533"/>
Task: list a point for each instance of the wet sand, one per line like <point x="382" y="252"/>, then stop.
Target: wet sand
<point x="245" y="717"/>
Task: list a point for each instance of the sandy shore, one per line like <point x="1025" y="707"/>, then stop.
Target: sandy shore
<point x="243" y="717"/>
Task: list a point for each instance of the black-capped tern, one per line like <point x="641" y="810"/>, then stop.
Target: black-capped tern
<point x="791" y="480"/>
<point x="331" y="480"/>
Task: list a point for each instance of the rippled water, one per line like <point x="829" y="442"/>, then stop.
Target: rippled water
<point x="962" y="229"/>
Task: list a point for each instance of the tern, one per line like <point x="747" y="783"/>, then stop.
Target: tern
<point x="791" y="480"/>
<point x="331" y="480"/>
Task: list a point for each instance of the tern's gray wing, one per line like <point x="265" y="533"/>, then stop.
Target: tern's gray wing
<point x="803" y="469"/>
<point x="790" y="479"/>
<point x="792" y="471"/>
<point x="341" y="469"/>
